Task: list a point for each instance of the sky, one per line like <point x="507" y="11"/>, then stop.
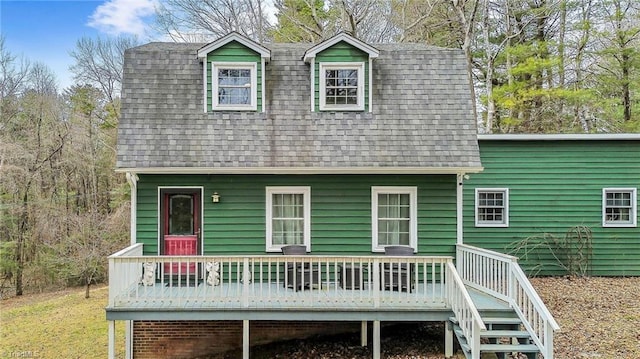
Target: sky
<point x="46" y="31"/>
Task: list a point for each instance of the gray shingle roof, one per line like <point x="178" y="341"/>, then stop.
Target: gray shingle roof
<point x="422" y="115"/>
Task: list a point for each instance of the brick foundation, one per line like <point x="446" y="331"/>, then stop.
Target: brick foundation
<point x="189" y="339"/>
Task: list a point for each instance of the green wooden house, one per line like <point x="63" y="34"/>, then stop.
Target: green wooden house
<point x="561" y="203"/>
<point x="350" y="154"/>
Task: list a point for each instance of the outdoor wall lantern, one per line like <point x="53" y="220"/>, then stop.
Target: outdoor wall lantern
<point x="215" y="197"/>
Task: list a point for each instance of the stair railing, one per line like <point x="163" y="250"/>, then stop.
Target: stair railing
<point x="500" y="275"/>
<point x="466" y="313"/>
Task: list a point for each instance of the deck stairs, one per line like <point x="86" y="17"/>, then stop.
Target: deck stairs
<point x="504" y="337"/>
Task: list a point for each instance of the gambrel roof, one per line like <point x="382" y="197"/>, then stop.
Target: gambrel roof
<point x="421" y="118"/>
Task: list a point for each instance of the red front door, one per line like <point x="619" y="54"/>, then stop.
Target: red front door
<point x="180" y="228"/>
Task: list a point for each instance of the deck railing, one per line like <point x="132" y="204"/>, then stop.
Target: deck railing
<point x="500" y="275"/>
<point x="277" y="281"/>
<point x="117" y="284"/>
<point x="469" y="319"/>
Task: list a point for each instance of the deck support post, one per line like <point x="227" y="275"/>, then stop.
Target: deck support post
<point x="363" y="333"/>
<point x="448" y="339"/>
<point x="128" y="335"/>
<point x="245" y="339"/>
<point x="112" y="339"/>
<point x="376" y="339"/>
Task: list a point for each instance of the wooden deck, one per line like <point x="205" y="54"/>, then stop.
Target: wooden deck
<point x="336" y="288"/>
<point x="272" y="301"/>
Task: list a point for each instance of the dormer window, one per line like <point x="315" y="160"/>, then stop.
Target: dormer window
<point x="342" y="86"/>
<point x="233" y="73"/>
<point x="341" y="74"/>
<point x="234" y="86"/>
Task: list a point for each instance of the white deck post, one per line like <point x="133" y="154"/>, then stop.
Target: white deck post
<point x="128" y="334"/>
<point x="245" y="339"/>
<point x="376" y="339"/>
<point x="112" y="339"/>
<point x="376" y="284"/>
<point x="548" y="341"/>
<point x="448" y="339"/>
<point x="363" y="333"/>
<point x="475" y="347"/>
<point x="245" y="279"/>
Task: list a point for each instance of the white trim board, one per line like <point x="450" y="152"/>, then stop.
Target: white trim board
<point x="302" y="170"/>
<point x="561" y="137"/>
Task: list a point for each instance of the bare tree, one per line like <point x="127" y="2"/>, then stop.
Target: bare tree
<point x="417" y="20"/>
<point x="304" y="21"/>
<point x="42" y="80"/>
<point x="466" y="11"/>
<point x="315" y="20"/>
<point x="99" y="63"/>
<point x="368" y="20"/>
<point x="13" y="74"/>
<point x="200" y="20"/>
<point x="56" y="180"/>
<point x="13" y="71"/>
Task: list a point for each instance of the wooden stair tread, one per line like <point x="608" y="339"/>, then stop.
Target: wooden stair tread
<point x="505" y="334"/>
<point x="507" y="348"/>
<point x="499" y="333"/>
<point x="501" y="320"/>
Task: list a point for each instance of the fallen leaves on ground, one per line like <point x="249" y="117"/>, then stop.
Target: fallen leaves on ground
<point x="599" y="318"/>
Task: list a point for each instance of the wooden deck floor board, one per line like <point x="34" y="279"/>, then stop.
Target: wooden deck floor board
<point x="271" y="296"/>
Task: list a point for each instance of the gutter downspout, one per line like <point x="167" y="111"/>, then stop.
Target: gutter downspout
<point x="132" y="178"/>
<point x="460" y="177"/>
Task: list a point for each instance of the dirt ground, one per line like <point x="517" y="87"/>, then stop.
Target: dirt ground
<point x="599" y="318"/>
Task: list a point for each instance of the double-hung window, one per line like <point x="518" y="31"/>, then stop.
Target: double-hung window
<point x="288" y="219"/>
<point x="394" y="217"/>
<point x="619" y="207"/>
<point x="234" y="86"/>
<point x="492" y="207"/>
<point x="342" y="86"/>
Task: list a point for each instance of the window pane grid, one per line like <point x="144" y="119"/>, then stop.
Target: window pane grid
<point x="618" y="214"/>
<point x="234" y="86"/>
<point x="393" y="232"/>
<point x="491" y="207"/>
<point x="287" y="218"/>
<point x="618" y="207"/>
<point x="490" y="214"/>
<point x="341" y="87"/>
<point x="394" y="220"/>
<point x="619" y="199"/>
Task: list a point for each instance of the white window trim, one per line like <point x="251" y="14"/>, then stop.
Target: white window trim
<point x="253" y="105"/>
<point x="505" y="214"/>
<point x="306" y="195"/>
<point x="413" y="214"/>
<point x="340" y="66"/>
<point x="634" y="207"/>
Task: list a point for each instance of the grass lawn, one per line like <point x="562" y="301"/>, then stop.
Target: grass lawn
<point x="57" y="325"/>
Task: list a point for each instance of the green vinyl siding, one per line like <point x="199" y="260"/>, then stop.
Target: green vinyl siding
<point x="341" y="52"/>
<point x="238" y="53"/>
<point x="340" y="211"/>
<point x="553" y="186"/>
